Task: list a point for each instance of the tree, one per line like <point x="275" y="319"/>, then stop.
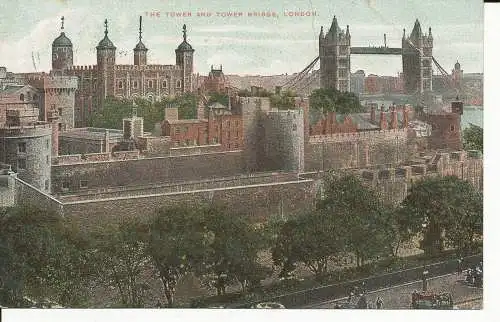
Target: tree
<point x="178" y="245"/>
<point x="114" y="110"/>
<point x="359" y="212"/>
<point x="219" y="98"/>
<point x="330" y="100"/>
<point x="43" y="258"/>
<point x="233" y="250"/>
<point x="123" y="257"/>
<point x="312" y="239"/>
<point x="473" y="137"/>
<point x="284" y="100"/>
<point x="445" y="210"/>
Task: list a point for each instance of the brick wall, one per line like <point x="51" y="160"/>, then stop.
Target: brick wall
<point x="27" y="194"/>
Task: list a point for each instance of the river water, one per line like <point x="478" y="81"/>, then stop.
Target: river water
<point x="472" y="114"/>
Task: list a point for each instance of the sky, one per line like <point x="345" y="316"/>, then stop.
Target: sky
<point x="243" y="45"/>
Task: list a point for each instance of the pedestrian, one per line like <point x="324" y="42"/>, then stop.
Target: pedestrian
<point x="459" y="267"/>
<point x="379" y="303"/>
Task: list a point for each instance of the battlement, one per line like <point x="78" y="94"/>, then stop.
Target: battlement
<point x="36" y="129"/>
<point x="84" y="67"/>
<point x="96" y="157"/>
<point x="45" y="82"/>
<point x="146" y="67"/>
<point x="365" y="135"/>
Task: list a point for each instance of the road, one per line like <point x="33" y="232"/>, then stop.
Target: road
<point x="399" y="296"/>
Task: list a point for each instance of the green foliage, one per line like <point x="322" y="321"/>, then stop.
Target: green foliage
<point x="260" y="93"/>
<point x="311" y="239"/>
<point x="473" y="138"/>
<point x="233" y="249"/>
<point x="284" y="100"/>
<point x="330" y="100"/>
<point x="359" y="214"/>
<point x="445" y="210"/>
<point x="43" y="259"/>
<point x="115" y="110"/>
<point x="121" y="252"/>
<point x="178" y="245"/>
<point x="219" y="98"/>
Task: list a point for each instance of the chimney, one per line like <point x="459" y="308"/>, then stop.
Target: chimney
<point x="394" y="118"/>
<point x="405" y="117"/>
<point x="106" y="141"/>
<point x="372" y="114"/>
<point x="53" y="119"/>
<point x="383" y="121"/>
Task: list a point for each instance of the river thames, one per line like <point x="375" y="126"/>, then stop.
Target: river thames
<point x="472" y="114"/>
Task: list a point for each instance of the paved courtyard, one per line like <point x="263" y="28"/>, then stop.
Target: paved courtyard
<point x="399" y="297"/>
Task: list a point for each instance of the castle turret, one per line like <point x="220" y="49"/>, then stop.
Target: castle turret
<point x="106" y="55"/>
<point x="335" y="58"/>
<point x="184" y="58"/>
<point x="106" y="51"/>
<point x="62" y="52"/>
<point x="140" y="50"/>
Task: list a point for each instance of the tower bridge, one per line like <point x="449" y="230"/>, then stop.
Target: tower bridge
<point x="335" y="60"/>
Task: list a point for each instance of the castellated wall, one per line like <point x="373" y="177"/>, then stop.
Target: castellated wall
<point x="256" y="201"/>
<point x="58" y="95"/>
<point x="105" y="174"/>
<point x="356" y="150"/>
<point x="394" y="183"/>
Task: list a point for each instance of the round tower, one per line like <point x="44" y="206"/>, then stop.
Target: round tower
<point x="62" y="51"/>
<point x="140" y="50"/>
<point x="184" y="58"/>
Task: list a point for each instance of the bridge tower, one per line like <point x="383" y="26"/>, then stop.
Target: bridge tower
<point x="417" y="60"/>
<point x="335" y="58"/>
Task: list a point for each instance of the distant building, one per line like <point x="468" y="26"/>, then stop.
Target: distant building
<point x="215" y="82"/>
<point x="358" y="82"/>
<point x="107" y="79"/>
<point x="335" y="58"/>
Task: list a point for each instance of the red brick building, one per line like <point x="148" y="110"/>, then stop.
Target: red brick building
<point x="215" y="82"/>
<point x="221" y="127"/>
<point x="372" y="84"/>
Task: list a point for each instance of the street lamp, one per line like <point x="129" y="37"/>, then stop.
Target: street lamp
<point x="425" y="272"/>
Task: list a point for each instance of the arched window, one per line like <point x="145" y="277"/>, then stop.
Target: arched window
<point x="178" y="83"/>
<point x="21" y="97"/>
<point x="120" y="84"/>
<point x="164" y="84"/>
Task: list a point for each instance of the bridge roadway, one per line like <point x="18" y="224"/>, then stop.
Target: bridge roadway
<point x="399" y="296"/>
<point x="375" y="51"/>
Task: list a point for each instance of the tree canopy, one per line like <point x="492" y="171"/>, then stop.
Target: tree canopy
<point x="114" y="110"/>
<point x="331" y="100"/>
<point x="359" y="212"/>
<point x="445" y="210"/>
<point x="473" y="137"/>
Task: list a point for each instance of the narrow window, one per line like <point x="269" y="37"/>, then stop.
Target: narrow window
<point x="21" y="147"/>
<point x="21" y="164"/>
<point x="150" y="84"/>
<point x="164" y="84"/>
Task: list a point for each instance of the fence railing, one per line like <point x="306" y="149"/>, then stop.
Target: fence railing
<point x="335" y="291"/>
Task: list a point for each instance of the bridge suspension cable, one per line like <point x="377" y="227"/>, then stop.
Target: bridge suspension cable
<point x="294" y="80"/>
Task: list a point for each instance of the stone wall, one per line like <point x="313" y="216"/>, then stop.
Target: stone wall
<point x="257" y="201"/>
<point x="356" y="150"/>
<point x="27" y="194"/>
<point x="93" y="175"/>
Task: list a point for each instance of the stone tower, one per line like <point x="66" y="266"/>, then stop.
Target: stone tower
<point x="184" y="58"/>
<point x="335" y="58"/>
<point x="106" y="55"/>
<point x="62" y="52"/>
<point x="140" y="50"/>
<point x="417" y="60"/>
